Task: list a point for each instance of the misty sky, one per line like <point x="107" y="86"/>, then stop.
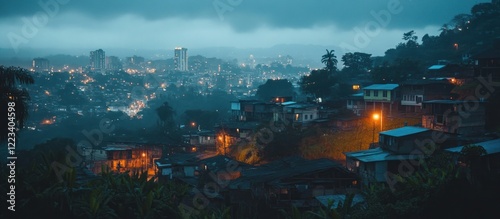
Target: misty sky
<point x="165" y="24"/>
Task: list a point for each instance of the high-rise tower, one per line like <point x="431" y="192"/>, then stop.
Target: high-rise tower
<point x="97" y="60"/>
<point x="181" y="59"/>
<point x="41" y="65"/>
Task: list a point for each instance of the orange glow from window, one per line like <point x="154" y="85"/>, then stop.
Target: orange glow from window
<point x="47" y="122"/>
<point x="134" y="161"/>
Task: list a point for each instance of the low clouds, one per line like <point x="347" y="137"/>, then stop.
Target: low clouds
<point x="206" y="23"/>
<point x="246" y="15"/>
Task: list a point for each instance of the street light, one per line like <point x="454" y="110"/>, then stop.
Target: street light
<point x="375" y="118"/>
<point x="143" y="162"/>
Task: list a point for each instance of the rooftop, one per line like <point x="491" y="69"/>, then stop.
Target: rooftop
<point x="118" y="147"/>
<point x="381" y="87"/>
<point x="301" y="106"/>
<point x="288" y="103"/>
<point x="377" y="154"/>
<point x="404" y="131"/>
<point x="436" y="67"/>
<point x="356" y="96"/>
<point x="181" y="159"/>
<point x="221" y="162"/>
<point x="274" y="172"/>
<point x="491" y="147"/>
<point x="450" y="101"/>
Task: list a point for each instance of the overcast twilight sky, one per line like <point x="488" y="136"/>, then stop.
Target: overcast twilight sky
<point x="370" y="26"/>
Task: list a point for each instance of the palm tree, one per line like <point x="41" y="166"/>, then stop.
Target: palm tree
<point x="166" y="115"/>
<point x="166" y="123"/>
<point x="330" y="60"/>
<point x="10" y="92"/>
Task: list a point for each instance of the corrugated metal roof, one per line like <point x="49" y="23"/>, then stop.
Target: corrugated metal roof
<point x="381" y="87"/>
<point x="404" y="131"/>
<point x="301" y="106"/>
<point x="288" y="103"/>
<point x="118" y="147"/>
<point x="377" y="154"/>
<point x="436" y="67"/>
<point x="491" y="147"/>
<point x="274" y="172"/>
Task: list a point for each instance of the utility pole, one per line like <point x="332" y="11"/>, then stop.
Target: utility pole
<point x="224" y="141"/>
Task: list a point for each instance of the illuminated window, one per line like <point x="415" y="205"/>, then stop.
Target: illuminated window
<point x="297" y="117"/>
<point x="355" y="87"/>
<point x="284" y="191"/>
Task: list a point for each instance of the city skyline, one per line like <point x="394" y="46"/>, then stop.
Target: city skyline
<point x="370" y="27"/>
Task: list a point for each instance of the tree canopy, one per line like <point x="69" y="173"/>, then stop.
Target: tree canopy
<point x="275" y="88"/>
<point x="330" y="60"/>
<point x="13" y="97"/>
<point x="356" y="63"/>
<point x="319" y="83"/>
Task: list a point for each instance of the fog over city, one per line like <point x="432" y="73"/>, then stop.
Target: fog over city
<point x="77" y="26"/>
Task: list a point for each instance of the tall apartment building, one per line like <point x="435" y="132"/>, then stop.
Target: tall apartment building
<point x="113" y="63"/>
<point x="97" y="60"/>
<point x="181" y="59"/>
<point x="41" y="65"/>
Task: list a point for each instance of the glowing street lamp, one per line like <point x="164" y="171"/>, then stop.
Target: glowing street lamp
<point x="143" y="162"/>
<point x="375" y="118"/>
